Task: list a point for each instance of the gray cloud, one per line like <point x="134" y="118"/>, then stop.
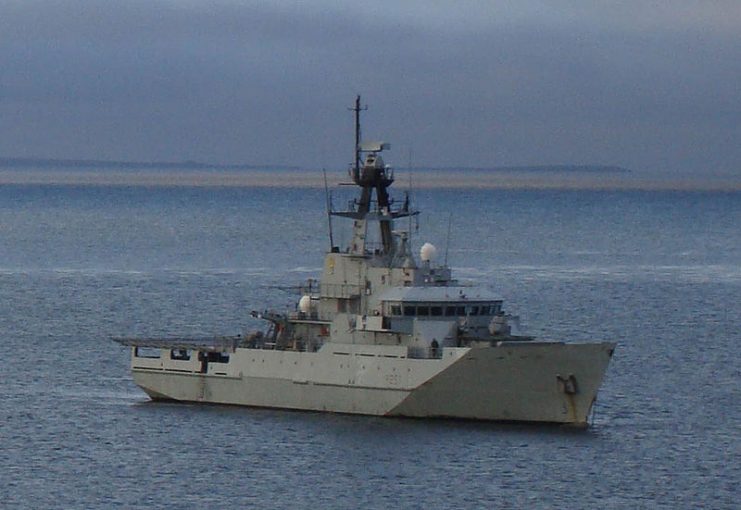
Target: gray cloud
<point x="459" y="83"/>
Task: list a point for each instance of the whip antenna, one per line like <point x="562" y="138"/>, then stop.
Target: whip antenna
<point x="329" y="210"/>
<point x="447" y="241"/>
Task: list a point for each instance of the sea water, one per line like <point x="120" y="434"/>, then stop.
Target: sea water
<point x="658" y="272"/>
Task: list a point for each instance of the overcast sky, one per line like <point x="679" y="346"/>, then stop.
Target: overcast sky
<point x="649" y="85"/>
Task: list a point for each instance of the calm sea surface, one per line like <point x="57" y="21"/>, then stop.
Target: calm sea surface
<point x="657" y="271"/>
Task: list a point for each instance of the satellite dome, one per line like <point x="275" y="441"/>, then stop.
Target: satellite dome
<point x="427" y="252"/>
<point x="304" y="304"/>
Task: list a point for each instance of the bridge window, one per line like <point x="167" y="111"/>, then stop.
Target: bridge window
<point x="180" y="354"/>
<point x="146" y="352"/>
<point x="437" y="311"/>
<point x="215" y="357"/>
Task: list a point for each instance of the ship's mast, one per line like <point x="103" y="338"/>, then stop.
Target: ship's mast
<point x="371" y="174"/>
<point x="357" y="109"/>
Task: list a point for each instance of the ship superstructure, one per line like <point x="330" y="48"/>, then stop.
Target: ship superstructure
<point x="382" y="334"/>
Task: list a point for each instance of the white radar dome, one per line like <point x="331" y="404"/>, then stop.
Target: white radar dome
<point x="304" y="304"/>
<point x="427" y="252"/>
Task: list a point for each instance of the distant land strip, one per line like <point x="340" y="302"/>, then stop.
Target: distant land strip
<point x="67" y="172"/>
<point x="51" y="163"/>
<point x="431" y="179"/>
<point x="604" y="169"/>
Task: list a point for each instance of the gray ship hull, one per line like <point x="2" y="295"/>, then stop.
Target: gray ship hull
<point x="518" y="381"/>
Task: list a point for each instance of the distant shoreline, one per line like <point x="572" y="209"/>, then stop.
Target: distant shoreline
<point x="50" y="164"/>
<point x="594" y="169"/>
<point x="133" y="165"/>
<point x="313" y="179"/>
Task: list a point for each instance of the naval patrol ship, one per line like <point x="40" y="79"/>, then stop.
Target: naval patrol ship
<point x="383" y="333"/>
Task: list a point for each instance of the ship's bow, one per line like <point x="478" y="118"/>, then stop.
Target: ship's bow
<point x="517" y="381"/>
